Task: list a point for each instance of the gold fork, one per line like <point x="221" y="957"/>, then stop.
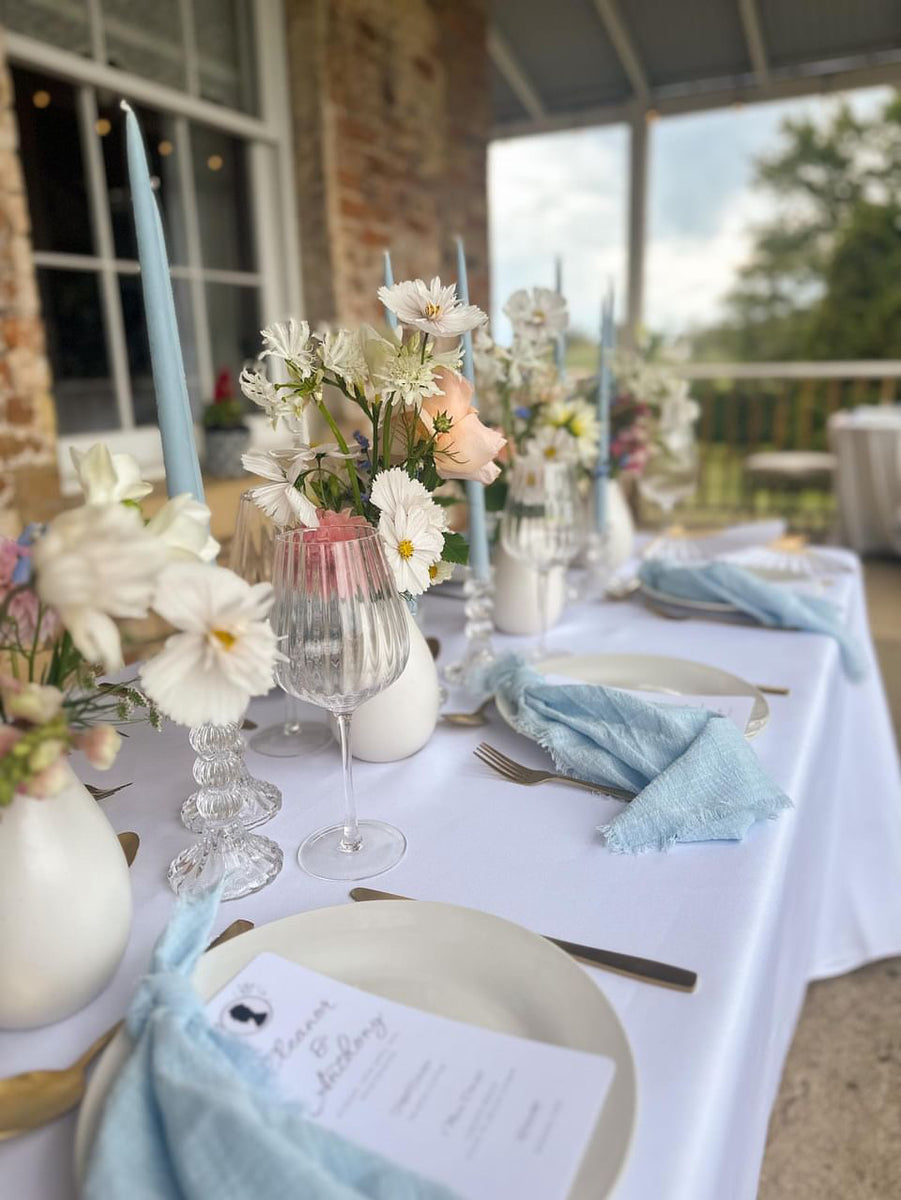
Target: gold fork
<point x="528" y="776"/>
<point x="34" y="1098"/>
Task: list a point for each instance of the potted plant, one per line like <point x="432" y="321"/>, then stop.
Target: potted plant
<point x="227" y="436"/>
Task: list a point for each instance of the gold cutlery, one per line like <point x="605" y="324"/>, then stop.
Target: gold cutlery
<point x="105" y="793"/>
<point x="248" y="724"/>
<point x="646" y="969"/>
<point x="33" y="1098"/>
<point x="468" y="719"/>
<point x="129" y="842"/>
<point x="528" y="776"/>
<point x="434" y="646"/>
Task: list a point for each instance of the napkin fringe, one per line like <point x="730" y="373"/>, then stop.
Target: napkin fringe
<point x="613" y="834"/>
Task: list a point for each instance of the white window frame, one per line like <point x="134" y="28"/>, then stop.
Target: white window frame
<point x="271" y="175"/>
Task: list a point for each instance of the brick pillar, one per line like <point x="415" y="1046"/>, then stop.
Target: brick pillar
<point x="391" y="110"/>
<point x="28" y="473"/>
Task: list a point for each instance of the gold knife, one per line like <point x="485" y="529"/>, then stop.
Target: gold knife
<point x="645" y="969"/>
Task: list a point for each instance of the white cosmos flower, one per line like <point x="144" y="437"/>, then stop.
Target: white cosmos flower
<point x="580" y="419"/>
<point x="413" y="540"/>
<point x="527" y="479"/>
<point x="183" y="526"/>
<point x="553" y="444"/>
<point x="224" y="652"/>
<point x="393" y="490"/>
<point x="108" y="478"/>
<point x="95" y="563"/>
<point x="440" y="571"/>
<point x="431" y="308"/>
<point x="537" y="314"/>
<point x="342" y="354"/>
<point x="282" y="501"/>
<point x="290" y="340"/>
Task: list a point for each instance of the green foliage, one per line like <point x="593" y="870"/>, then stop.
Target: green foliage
<point x="225" y="414"/>
<point x="456" y="548"/>
<point x="823" y="280"/>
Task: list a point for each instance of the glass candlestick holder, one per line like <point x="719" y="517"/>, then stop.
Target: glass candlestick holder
<point x="260" y="801"/>
<point x="245" y="862"/>
<point x="478" y="652"/>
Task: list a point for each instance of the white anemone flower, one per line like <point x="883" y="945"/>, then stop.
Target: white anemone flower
<point x="431" y="307"/>
<point x="341" y="353"/>
<point x="393" y="490"/>
<point x="553" y="444"/>
<point x="224" y="652"/>
<point x="282" y="501"/>
<point x="259" y="390"/>
<point x="290" y="340"/>
<point x="413" y="539"/>
<point x="108" y="478"/>
<point x="183" y="526"/>
<point x="93" y="564"/>
<point x="537" y="314"/>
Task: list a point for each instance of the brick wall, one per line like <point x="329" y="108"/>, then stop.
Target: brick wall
<point x="391" y="115"/>
<point x="27" y="420"/>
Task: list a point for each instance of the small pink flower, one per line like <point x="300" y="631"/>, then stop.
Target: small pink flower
<point x="335" y="526"/>
<point x="32" y="702"/>
<point x="100" y="745"/>
<point x="49" y="782"/>
<point x="9" y="556"/>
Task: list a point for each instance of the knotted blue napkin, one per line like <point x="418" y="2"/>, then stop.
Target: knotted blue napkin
<point x="769" y="603"/>
<point x="698" y="779"/>
<point x="194" y="1114"/>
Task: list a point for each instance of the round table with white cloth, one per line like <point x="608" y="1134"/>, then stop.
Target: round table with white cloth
<point x="867" y="443"/>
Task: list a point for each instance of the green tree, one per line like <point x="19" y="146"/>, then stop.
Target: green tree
<point x="824" y="278"/>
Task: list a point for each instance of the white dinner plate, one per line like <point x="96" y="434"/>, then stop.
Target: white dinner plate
<point x="771" y="572"/>
<point x="652" y="673"/>
<point x="456" y="962"/>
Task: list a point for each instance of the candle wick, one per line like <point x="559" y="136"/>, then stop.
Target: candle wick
<point x="125" y="106"/>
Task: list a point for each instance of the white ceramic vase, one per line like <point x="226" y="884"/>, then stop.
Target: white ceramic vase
<point x="65" y="905"/>
<point x="516" y="595"/>
<point x="400" y="720"/>
<point x="620" y="526"/>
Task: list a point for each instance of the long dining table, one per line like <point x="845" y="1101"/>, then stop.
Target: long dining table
<point x="813" y="894"/>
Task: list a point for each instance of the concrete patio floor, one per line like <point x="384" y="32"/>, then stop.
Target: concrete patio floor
<point x="834" y="1132"/>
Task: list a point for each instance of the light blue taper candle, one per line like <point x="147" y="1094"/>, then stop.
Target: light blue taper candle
<point x="475" y="492"/>
<point x="605" y="389"/>
<point x="560" y="339"/>
<point x="172" y="404"/>
<point x="389" y="282"/>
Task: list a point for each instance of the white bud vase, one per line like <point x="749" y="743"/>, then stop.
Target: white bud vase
<point x="65" y="905"/>
<point x="516" y="595"/>
<point x="400" y="720"/>
<point x="620" y="531"/>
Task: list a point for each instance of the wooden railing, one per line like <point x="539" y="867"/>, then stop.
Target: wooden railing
<point x="752" y="407"/>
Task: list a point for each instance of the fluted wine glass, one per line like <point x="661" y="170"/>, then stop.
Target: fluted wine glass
<point x="343" y="632"/>
<point x="541" y="523"/>
<point x="251" y="556"/>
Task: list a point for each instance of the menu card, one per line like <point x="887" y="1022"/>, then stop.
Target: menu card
<point x="487" y="1114"/>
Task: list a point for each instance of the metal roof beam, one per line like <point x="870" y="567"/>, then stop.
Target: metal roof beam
<point x="625" y="49"/>
<point x="520" y="84"/>
<point x="750" y="19"/>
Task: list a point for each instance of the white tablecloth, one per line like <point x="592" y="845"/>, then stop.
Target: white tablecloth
<point x="816" y="893"/>
<point x="867" y="443"/>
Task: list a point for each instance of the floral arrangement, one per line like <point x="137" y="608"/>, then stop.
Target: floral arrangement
<point x="65" y="591"/>
<point x="540" y="412"/>
<point x="652" y="412"/>
<point x="421" y="428"/>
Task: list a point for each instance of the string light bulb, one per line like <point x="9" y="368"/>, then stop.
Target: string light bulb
<point x="214" y="162"/>
<point x="103" y="126"/>
<point x="41" y="98"/>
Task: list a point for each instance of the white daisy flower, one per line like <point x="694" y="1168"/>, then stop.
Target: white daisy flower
<point x="108" y="478"/>
<point x="553" y="444"/>
<point x="393" y="490"/>
<point x="282" y="501"/>
<point x="224" y="652"/>
<point x="527" y="480"/>
<point x="441" y="571"/>
<point x="431" y="308"/>
<point x="183" y="526"/>
<point x="341" y="353"/>
<point x="413" y="540"/>
<point x="580" y="419"/>
<point x="290" y="340"/>
<point x="94" y="564"/>
<point x="537" y="314"/>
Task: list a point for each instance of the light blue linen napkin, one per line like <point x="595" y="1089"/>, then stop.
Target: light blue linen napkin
<point x="194" y="1115"/>
<point x="698" y="779"/>
<point x="769" y="603"/>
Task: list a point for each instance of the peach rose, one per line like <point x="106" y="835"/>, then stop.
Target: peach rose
<point x="464" y="447"/>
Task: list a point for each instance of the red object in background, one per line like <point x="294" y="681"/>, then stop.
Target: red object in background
<point x="224" y="389"/>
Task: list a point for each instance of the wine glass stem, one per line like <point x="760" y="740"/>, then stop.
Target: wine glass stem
<point x="351" y="840"/>
<point x="544" y="578"/>
<point x="292" y="715"/>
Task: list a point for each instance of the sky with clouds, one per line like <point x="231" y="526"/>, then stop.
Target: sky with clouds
<point x="566" y="194"/>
